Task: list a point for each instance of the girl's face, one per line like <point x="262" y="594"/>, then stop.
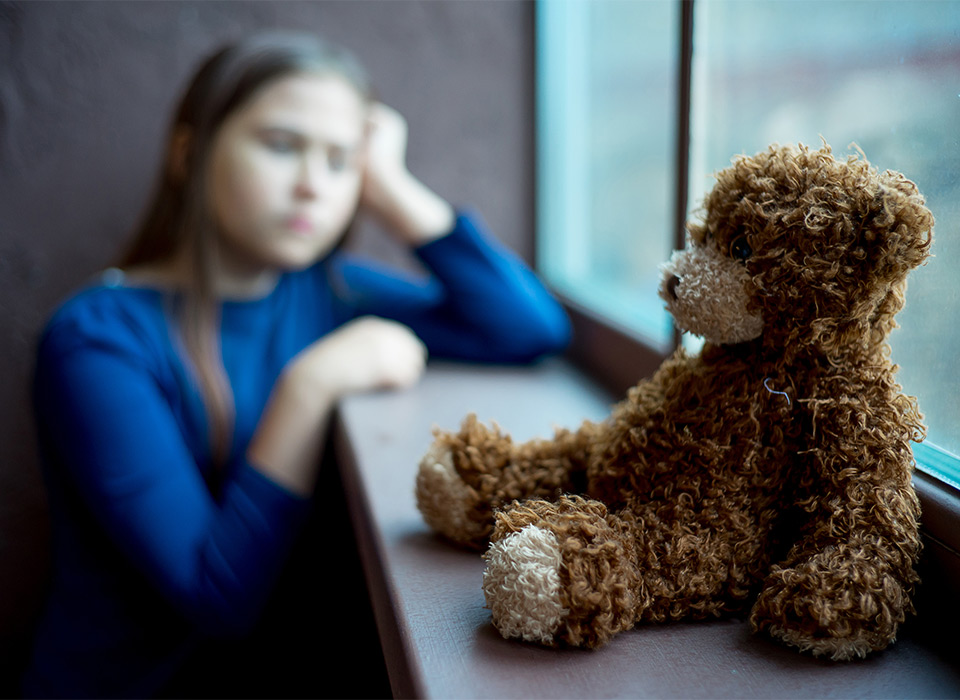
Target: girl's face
<point x="285" y="172"/>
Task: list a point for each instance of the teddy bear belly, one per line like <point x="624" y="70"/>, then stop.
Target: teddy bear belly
<point x="705" y="534"/>
<point x="687" y="502"/>
<point x="693" y="475"/>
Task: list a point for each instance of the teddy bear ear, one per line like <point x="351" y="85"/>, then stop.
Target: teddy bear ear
<point x="896" y="229"/>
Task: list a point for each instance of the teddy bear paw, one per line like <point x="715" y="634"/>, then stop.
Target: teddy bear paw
<point x="522" y="585"/>
<point x="445" y="499"/>
<point x="827" y="607"/>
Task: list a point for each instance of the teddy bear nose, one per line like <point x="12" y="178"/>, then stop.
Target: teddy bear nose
<point x="672" y="283"/>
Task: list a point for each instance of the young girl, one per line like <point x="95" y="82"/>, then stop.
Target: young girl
<point x="182" y="400"/>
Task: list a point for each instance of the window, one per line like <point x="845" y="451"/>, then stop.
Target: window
<point x="607" y="80"/>
<point x="882" y="75"/>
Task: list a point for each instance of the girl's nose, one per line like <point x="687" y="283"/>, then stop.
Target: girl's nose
<point x="310" y="178"/>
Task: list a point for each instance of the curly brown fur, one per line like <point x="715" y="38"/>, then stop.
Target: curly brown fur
<point x="599" y="583"/>
<point x="845" y="586"/>
<point x="832" y="242"/>
<point x="493" y="471"/>
<point x="769" y="474"/>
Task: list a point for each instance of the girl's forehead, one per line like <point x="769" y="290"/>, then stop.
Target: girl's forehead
<point x="306" y="99"/>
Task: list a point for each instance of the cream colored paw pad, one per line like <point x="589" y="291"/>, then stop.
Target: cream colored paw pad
<point x="522" y="585"/>
<point x="442" y="495"/>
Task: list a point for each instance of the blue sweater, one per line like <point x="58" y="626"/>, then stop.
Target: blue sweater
<point x="148" y="559"/>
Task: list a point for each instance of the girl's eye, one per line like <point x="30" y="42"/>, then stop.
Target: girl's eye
<point x="740" y="249"/>
<point x="337" y="160"/>
<point x="280" y="142"/>
<point x="281" y="147"/>
<point x="343" y="159"/>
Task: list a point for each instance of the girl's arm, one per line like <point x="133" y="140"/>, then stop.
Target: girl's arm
<point x="112" y="434"/>
<point x="112" y="439"/>
<point x="482" y="302"/>
<point x="407" y="208"/>
<point x="367" y="353"/>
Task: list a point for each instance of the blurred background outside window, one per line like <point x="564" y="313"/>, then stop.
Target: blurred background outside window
<point x="882" y="75"/>
<point x="606" y="76"/>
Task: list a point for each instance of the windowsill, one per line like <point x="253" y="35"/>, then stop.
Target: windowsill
<point x="434" y="629"/>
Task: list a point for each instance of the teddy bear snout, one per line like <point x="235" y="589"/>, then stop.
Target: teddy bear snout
<point x="671" y="285"/>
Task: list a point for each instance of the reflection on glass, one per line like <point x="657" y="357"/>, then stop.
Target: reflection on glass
<point x="606" y="106"/>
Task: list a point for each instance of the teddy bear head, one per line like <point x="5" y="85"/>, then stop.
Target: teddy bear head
<point x="800" y="250"/>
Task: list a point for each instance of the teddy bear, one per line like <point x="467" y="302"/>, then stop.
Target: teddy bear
<point x="766" y="476"/>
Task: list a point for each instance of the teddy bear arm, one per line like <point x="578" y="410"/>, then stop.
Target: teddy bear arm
<point x="845" y="585"/>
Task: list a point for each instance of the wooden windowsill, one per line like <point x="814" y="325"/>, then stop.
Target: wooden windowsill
<point x="435" y="632"/>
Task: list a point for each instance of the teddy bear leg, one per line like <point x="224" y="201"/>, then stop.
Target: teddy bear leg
<point x="466" y="476"/>
<point x="561" y="573"/>
<point x="841" y="601"/>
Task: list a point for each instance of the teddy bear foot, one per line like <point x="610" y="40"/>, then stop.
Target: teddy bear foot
<point x="836" y="603"/>
<point x="522" y="585"/>
<point x="831" y="648"/>
<point x="561" y="573"/>
<point x="462" y="480"/>
<point x="444" y="498"/>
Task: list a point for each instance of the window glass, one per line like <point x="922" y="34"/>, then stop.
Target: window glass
<point x="606" y="141"/>
<point x="883" y="75"/>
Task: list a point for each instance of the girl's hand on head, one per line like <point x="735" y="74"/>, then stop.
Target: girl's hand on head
<point x="386" y="175"/>
<point x="386" y="151"/>
<point x="408" y="209"/>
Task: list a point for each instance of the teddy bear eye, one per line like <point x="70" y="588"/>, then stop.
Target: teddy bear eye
<point x="740" y="249"/>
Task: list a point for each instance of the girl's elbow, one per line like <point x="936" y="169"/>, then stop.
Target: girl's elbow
<point x="555" y="335"/>
<point x="541" y="336"/>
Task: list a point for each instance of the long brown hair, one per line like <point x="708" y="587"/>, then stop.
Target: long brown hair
<point x="178" y="218"/>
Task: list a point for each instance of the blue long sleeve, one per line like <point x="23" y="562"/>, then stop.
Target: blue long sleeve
<point x="482" y="302"/>
<point x="146" y="558"/>
<point x="107" y="420"/>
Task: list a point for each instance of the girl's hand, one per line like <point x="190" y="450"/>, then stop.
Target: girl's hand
<point x="367" y="353"/>
<point x="386" y="152"/>
<point x="390" y="192"/>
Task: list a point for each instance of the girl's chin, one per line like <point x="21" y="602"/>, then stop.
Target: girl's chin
<point x="302" y="252"/>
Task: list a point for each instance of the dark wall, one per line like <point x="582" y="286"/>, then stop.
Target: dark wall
<point x="85" y="93"/>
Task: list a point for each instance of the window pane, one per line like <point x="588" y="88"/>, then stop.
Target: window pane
<point x="606" y="94"/>
<point x="881" y="74"/>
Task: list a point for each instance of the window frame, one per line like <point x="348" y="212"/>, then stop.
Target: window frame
<point x="614" y="355"/>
